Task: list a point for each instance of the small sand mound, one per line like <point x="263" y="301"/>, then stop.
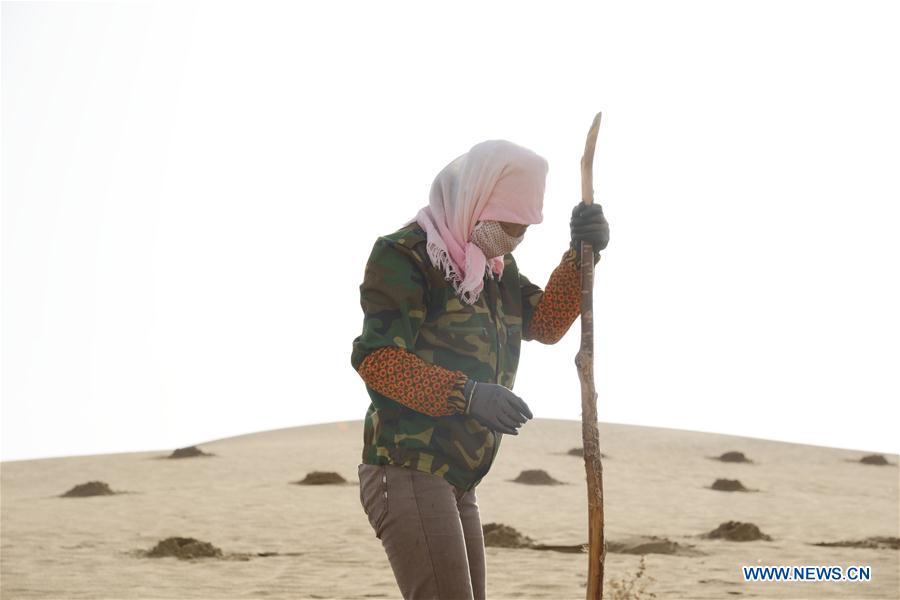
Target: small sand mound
<point x="580" y="452"/>
<point x="729" y="485"/>
<point x="737" y="531"/>
<point x="734" y="456"/>
<point x="91" y="488"/>
<point x="651" y="544"/>
<point x="874" y="542"/>
<point x="184" y="548"/>
<point x="874" y="459"/>
<point x="188" y="452"/>
<point x="573" y="549"/>
<point x="498" y="535"/>
<point x="322" y="478"/>
<point x="536" y="477"/>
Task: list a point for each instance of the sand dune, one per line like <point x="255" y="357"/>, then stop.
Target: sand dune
<point x="276" y="514"/>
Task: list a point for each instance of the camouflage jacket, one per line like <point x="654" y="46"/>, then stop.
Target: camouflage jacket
<point x="408" y="304"/>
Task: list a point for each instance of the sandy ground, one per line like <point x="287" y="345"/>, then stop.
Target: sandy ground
<point x="242" y="500"/>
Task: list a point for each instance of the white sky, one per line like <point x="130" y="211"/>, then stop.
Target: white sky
<point x="190" y="193"/>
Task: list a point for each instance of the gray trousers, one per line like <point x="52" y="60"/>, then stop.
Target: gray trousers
<point x="430" y="530"/>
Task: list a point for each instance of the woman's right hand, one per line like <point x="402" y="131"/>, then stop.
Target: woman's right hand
<point x="497" y="407"/>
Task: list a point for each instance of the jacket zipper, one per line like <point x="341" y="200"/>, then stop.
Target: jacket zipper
<point x="496" y="380"/>
<point x="496" y="335"/>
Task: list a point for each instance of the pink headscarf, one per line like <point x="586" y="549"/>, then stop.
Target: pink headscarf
<point x="495" y="180"/>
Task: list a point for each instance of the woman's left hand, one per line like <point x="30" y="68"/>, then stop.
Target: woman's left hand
<point x="588" y="224"/>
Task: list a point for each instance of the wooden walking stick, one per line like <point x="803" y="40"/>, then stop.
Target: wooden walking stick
<point x="584" y="361"/>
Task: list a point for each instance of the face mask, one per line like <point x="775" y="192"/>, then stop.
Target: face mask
<point x="491" y="238"/>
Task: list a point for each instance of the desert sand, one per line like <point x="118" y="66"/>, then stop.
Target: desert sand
<point x="279" y="539"/>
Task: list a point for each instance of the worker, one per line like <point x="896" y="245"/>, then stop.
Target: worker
<point x="445" y="311"/>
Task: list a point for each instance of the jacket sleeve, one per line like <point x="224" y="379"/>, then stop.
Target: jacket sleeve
<point x="547" y="314"/>
<point x="393" y="300"/>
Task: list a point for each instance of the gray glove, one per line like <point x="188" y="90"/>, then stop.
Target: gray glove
<point x="496" y="406"/>
<point x="588" y="224"/>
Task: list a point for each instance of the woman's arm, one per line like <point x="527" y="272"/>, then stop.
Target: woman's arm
<point x="548" y="313"/>
<point x="405" y="378"/>
<point x="393" y="300"/>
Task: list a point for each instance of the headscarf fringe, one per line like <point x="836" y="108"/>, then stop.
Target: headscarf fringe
<point x="441" y="260"/>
